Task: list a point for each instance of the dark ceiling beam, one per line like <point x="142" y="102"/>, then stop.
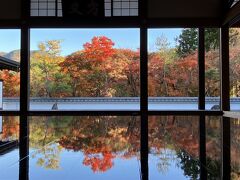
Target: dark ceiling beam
<point x="124" y="22"/>
<point x="183" y="22"/>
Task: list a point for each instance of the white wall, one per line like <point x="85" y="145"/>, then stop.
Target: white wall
<point x="183" y="8"/>
<point x="10" y="9"/>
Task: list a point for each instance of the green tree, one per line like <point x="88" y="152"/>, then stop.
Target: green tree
<point x="187" y="41"/>
<point x="189" y="165"/>
<point x="46" y="78"/>
<point x="212" y="38"/>
<point x="168" y="55"/>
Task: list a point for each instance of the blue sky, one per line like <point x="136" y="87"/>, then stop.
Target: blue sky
<point x="73" y="39"/>
<point x="9" y="40"/>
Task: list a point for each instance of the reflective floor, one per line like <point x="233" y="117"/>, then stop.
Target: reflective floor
<point x="108" y="147"/>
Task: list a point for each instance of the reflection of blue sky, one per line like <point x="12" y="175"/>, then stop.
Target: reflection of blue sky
<point x="71" y="167"/>
<point x="9" y="166"/>
<point x="172" y="170"/>
<point x="73" y="39"/>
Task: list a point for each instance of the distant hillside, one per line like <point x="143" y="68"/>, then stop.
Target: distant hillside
<point x="13" y="55"/>
<point x="2" y="54"/>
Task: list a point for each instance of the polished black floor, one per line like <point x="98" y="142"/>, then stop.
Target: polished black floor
<point x="109" y="147"/>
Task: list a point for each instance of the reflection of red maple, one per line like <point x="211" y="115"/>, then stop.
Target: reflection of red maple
<point x="99" y="163"/>
<point x="182" y="131"/>
<point x="103" y="139"/>
<point x="99" y="156"/>
<point x="186" y="141"/>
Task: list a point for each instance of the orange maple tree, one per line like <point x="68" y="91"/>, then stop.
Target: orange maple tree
<point x="99" y="49"/>
<point x="11" y="83"/>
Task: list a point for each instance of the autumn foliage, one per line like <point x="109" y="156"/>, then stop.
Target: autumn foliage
<point x="101" y="70"/>
<point x="176" y="78"/>
<point x="99" y="49"/>
<point x="11" y="83"/>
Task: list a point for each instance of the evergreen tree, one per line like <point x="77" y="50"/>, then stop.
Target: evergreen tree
<point x="187" y="42"/>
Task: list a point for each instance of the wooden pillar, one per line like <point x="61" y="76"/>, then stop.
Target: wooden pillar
<point x="201" y="69"/>
<point x="224" y="64"/>
<point x="24" y="148"/>
<point x="144" y="89"/>
<point x="225" y="102"/>
<point x="24" y="70"/>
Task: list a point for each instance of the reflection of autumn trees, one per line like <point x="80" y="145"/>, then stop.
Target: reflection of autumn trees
<point x="181" y="134"/>
<point x="48" y="156"/>
<point x="10" y="128"/>
<point x="97" y="163"/>
<point x="213" y="147"/>
<point x="235" y="148"/>
<point x="182" y="131"/>
<point x="101" y="139"/>
<point x="44" y="133"/>
<point x="177" y="137"/>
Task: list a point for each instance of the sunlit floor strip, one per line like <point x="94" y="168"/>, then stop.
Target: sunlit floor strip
<point x="232" y="114"/>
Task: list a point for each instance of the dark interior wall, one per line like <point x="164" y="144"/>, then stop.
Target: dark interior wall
<point x="10" y="9"/>
<point x="183" y="8"/>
